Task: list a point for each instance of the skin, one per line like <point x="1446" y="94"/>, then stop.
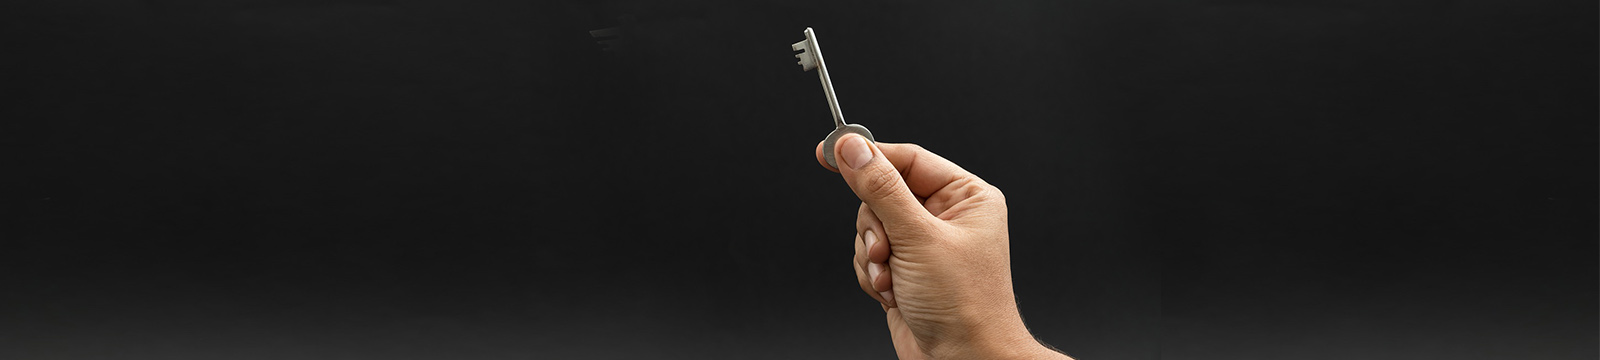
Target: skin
<point x="932" y="247"/>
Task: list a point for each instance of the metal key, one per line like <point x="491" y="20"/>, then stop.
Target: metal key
<point x="811" y="58"/>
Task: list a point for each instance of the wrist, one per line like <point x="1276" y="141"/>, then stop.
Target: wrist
<point x="1022" y="346"/>
<point x="1002" y="337"/>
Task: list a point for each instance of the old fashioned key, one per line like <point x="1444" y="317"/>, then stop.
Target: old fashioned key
<point x="811" y="58"/>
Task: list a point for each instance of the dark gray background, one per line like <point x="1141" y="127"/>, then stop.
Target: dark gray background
<point x="478" y="180"/>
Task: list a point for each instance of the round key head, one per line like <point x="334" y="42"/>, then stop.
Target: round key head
<point x="827" y="144"/>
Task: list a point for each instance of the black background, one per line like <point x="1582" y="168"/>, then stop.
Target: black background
<point x="479" y="180"/>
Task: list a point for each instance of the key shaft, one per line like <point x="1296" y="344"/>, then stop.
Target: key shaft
<point x="827" y="85"/>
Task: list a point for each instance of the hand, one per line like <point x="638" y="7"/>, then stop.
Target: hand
<point x="932" y="247"/>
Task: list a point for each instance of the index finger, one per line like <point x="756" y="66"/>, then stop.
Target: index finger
<point x="924" y="172"/>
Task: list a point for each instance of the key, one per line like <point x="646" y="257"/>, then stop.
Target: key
<point x="811" y="58"/>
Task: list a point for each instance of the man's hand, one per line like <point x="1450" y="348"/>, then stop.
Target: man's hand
<point x="933" y="248"/>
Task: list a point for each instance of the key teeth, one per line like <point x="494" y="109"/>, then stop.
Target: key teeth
<point x="807" y="62"/>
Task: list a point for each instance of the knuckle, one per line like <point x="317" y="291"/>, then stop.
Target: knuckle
<point x="861" y="280"/>
<point x="880" y="183"/>
<point x="996" y="193"/>
<point x="864" y="217"/>
<point x="982" y="190"/>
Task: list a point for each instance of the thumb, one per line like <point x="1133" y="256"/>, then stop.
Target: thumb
<point x="876" y="181"/>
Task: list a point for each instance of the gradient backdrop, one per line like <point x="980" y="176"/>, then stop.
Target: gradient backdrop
<point x="284" y="179"/>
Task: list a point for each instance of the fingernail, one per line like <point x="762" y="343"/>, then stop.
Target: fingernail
<point x="888" y="296"/>
<point x="873" y="270"/>
<point x="856" y="152"/>
<point x="869" y="238"/>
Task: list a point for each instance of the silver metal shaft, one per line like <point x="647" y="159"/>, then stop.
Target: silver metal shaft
<point x="827" y="85"/>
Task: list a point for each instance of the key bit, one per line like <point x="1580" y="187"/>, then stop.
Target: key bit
<point x="811" y="58"/>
